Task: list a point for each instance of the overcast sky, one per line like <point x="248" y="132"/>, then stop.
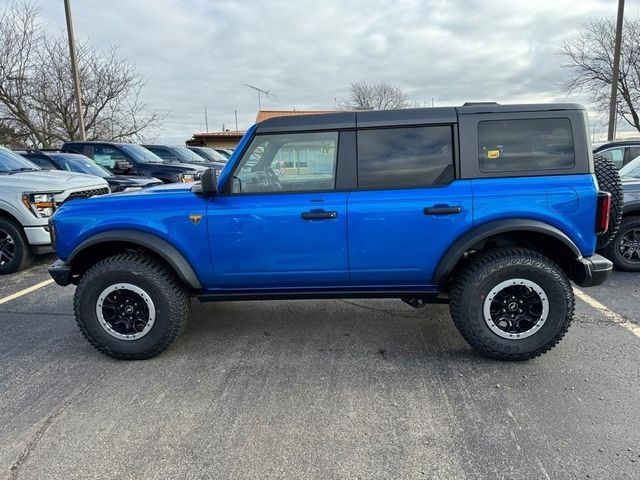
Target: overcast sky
<point x="200" y="52"/>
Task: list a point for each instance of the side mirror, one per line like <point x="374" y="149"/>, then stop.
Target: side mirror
<point x="209" y="182"/>
<point x="123" y="165"/>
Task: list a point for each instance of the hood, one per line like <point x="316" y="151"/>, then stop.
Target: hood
<point x="199" y="167"/>
<point x="133" y="180"/>
<point x="176" y="167"/>
<point x="50" y="180"/>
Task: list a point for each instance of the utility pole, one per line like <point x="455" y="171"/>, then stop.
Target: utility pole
<point x="206" y="119"/>
<point x="613" y="101"/>
<point x="236" y="114"/>
<point x="74" y="69"/>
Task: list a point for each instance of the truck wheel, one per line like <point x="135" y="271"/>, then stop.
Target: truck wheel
<point x="624" y="249"/>
<point x="130" y="306"/>
<point x="609" y="181"/>
<point x="14" y="250"/>
<point x="512" y="304"/>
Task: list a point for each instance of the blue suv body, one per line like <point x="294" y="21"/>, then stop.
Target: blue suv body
<point x="427" y="205"/>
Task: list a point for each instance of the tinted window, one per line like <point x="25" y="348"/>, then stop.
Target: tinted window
<point x="163" y="153"/>
<point x="522" y="145"/>
<point x="631" y="169"/>
<point x="633" y="153"/>
<point x="42" y="162"/>
<point x="81" y="164"/>
<point x="291" y="163"/>
<point x="140" y="154"/>
<point x="405" y="157"/>
<point x="107" y="156"/>
<point x="616" y="155"/>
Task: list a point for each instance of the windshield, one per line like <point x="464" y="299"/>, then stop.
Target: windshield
<point x="631" y="169"/>
<point x="187" y="155"/>
<point x="209" y="154"/>
<point x="140" y="154"/>
<point x="81" y="164"/>
<point x="12" y="162"/>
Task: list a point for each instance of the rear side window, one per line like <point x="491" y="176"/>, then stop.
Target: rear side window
<point x="405" y="157"/>
<point x="525" y="145"/>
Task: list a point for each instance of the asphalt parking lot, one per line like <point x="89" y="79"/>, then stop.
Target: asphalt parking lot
<point x="316" y="389"/>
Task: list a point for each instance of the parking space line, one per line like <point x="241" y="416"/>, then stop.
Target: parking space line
<point x="612" y="316"/>
<point x="26" y="291"/>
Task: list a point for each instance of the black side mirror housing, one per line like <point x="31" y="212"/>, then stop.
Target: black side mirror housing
<point x="208" y="183"/>
<point x="123" y="165"/>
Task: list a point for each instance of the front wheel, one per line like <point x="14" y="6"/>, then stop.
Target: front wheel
<point x="14" y="249"/>
<point x="512" y="304"/>
<point x="130" y="306"/>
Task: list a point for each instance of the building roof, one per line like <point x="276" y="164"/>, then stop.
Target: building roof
<point x="225" y="134"/>
<point x="266" y="114"/>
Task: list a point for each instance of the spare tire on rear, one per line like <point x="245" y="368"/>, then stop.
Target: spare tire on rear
<point x="609" y="181"/>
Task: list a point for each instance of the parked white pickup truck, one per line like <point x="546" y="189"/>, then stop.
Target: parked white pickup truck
<point x="28" y="197"/>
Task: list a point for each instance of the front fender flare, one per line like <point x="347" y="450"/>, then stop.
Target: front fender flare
<point x="149" y="241"/>
<point x="482" y="232"/>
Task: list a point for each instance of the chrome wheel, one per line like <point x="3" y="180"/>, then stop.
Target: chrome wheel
<point x="125" y="311"/>
<point x="7" y="248"/>
<point x="516" y="308"/>
<point x="629" y="246"/>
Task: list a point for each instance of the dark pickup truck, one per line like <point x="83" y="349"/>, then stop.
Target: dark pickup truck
<point x="131" y="159"/>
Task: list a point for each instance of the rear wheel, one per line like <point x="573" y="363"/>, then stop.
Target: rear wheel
<point x="512" y="304"/>
<point x="130" y="306"/>
<point x="624" y="249"/>
<point x="609" y="181"/>
<point x="14" y="250"/>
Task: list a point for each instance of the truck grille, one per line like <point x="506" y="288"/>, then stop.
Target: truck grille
<point x="88" y="193"/>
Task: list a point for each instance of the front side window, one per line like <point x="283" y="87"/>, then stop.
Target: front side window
<point x="525" y="145"/>
<point x="107" y="156"/>
<point x="405" y="157"/>
<point x="295" y="162"/>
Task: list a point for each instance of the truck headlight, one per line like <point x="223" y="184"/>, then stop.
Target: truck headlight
<point x="188" y="177"/>
<point x="42" y="205"/>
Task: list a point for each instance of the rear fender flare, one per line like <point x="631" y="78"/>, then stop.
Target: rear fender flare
<point x="482" y="232"/>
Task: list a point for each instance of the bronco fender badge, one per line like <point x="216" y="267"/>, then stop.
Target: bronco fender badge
<point x="195" y="218"/>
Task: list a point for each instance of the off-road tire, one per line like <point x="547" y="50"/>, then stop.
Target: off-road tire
<point x="612" y="251"/>
<point x="171" y="299"/>
<point x="22" y="255"/>
<point x="609" y="181"/>
<point x="472" y="285"/>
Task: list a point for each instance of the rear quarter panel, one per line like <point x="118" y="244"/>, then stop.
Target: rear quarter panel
<point x="567" y="202"/>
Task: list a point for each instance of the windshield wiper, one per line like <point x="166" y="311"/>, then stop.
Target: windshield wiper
<point x="22" y="169"/>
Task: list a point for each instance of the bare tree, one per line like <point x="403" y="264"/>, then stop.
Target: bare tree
<point x="590" y="58"/>
<point x="374" y="96"/>
<point x="36" y="88"/>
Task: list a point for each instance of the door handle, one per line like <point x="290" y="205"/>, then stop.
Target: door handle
<point x="442" y="210"/>
<point x="319" y="215"/>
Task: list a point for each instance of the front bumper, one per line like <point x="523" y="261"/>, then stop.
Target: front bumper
<point x="60" y="272"/>
<point x="592" y="271"/>
<point x="38" y="235"/>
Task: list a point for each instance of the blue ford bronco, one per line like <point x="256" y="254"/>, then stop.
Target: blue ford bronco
<point x="491" y="208"/>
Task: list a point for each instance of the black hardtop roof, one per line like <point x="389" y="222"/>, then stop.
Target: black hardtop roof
<point x="407" y="116"/>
